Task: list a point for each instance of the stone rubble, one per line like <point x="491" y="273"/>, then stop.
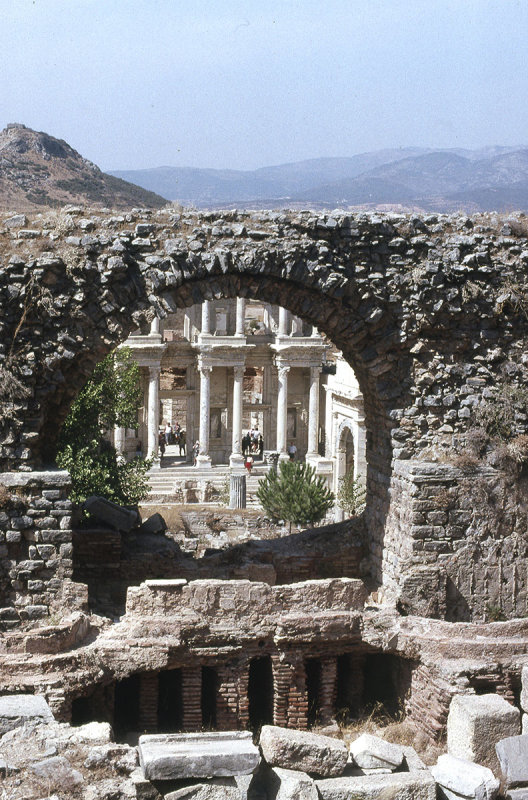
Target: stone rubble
<point x="306" y="752"/>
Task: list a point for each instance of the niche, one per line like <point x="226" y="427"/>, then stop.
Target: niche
<point x="170" y="701"/>
<point x="260" y="692"/>
<point x="312" y="668"/>
<point x="209" y="697"/>
<point x="126" y="706"/>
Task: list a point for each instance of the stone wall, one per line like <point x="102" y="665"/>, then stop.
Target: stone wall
<point x="430" y="312"/>
<point x="459" y="540"/>
<point x="35" y="547"/>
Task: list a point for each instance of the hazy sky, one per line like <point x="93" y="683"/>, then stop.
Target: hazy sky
<point x="226" y="83"/>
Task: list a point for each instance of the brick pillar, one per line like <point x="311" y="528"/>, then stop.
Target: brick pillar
<point x="328" y="689"/>
<point x="243" y="697"/>
<point x="227" y="700"/>
<point x="290" y="697"/>
<point x="192" y="698"/>
<point x="148" y="702"/>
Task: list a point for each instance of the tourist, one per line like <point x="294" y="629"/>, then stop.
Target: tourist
<point x="181" y="442"/>
<point x="249" y="463"/>
<point x="195" y="450"/>
<point x="168" y="433"/>
<point x="246" y="442"/>
<point x="292" y="451"/>
<point x="161" y="443"/>
<point x="261" y="447"/>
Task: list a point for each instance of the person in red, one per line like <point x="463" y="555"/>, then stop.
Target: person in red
<point x="249" y="462"/>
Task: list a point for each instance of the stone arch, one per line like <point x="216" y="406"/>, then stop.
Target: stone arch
<point x="411" y="303"/>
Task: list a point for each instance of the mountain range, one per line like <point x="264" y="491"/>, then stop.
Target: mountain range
<point x="413" y="179"/>
<point x="38" y="170"/>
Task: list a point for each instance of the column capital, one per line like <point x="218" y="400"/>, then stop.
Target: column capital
<point x="238" y="371"/>
<point x="205" y="369"/>
<point x="283" y="370"/>
<point x="154" y="369"/>
<point x="315" y="371"/>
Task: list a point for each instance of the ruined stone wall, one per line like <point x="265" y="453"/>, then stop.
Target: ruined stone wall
<point x="460" y="540"/>
<point x="430" y="312"/>
<point x="35" y="547"/>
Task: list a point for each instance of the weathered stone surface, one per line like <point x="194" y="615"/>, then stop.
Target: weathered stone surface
<point x="476" y="722"/>
<point x="517" y="794"/>
<point x="58" y="772"/>
<point x="372" y="752"/>
<point x="214" y="789"/>
<point x="289" y="784"/>
<point x="15" y="710"/>
<point x="111" y="514"/>
<point x="306" y="752"/>
<point x="524" y="688"/>
<point x="197" y="755"/>
<point x="396" y="786"/>
<point x="512" y="753"/>
<point x="460" y="778"/>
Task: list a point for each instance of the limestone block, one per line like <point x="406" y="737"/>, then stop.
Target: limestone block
<point x="142" y="788"/>
<point x="476" y="722"/>
<point x="372" y="752"/>
<point x="517" y="794"/>
<point x="524" y="724"/>
<point x="413" y="762"/>
<point x="396" y="786"/>
<point x="17" y="709"/>
<point x="93" y="732"/>
<point x="215" y="789"/>
<point x="513" y="759"/>
<point x="524" y="688"/>
<point x="197" y="755"/>
<point x="305" y="752"/>
<point x="289" y="784"/>
<point x="57" y="772"/>
<point x="460" y="778"/>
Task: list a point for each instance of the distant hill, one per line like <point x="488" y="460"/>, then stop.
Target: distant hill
<point x="415" y="179"/>
<point x="37" y="170"/>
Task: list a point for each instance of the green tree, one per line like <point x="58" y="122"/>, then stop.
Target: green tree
<point x="351" y="495"/>
<point x="109" y="399"/>
<point x="295" y="494"/>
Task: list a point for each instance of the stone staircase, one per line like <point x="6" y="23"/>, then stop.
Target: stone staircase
<point x="176" y="480"/>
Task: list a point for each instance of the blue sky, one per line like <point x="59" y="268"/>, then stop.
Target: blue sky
<point x="145" y="83"/>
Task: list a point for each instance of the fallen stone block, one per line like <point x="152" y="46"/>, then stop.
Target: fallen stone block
<point x="513" y="759"/>
<point x="393" y="786"/>
<point x="215" y="789"/>
<point x="372" y="752"/>
<point x="57" y="772"/>
<point x="92" y="732"/>
<point x="17" y="709"/>
<point x="111" y="514"/>
<point x="476" y="722"/>
<point x="154" y="524"/>
<point x="303" y="752"/>
<point x="289" y="784"/>
<point x="412" y="760"/>
<point x="142" y="789"/>
<point x="120" y="757"/>
<point x="197" y="755"/>
<point x="458" y="778"/>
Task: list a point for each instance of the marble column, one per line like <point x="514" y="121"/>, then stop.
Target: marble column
<point x="153" y="412"/>
<point x="284" y="320"/>
<point x="236" y="459"/>
<point x="282" y="412"/>
<point x="206" y="316"/>
<point x="204" y="459"/>
<point x="313" y="414"/>
<point x="155" y="327"/>
<point x="240" y="316"/>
